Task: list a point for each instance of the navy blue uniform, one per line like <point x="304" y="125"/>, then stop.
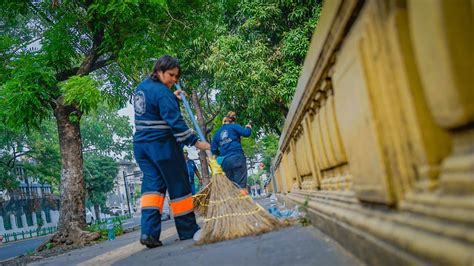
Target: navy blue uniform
<point x="160" y="133"/>
<point x="226" y="142"/>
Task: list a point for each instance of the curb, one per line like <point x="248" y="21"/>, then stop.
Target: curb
<point x="131" y="229"/>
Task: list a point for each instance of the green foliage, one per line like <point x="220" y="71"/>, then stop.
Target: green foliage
<point x="39" y="222"/>
<point x="304" y="220"/>
<point x="44" y="160"/>
<point x="60" y="52"/>
<point x="49" y="245"/>
<point x="257" y="61"/>
<point x="81" y="91"/>
<point x="26" y="95"/>
<point x="101" y="227"/>
<point x="37" y="150"/>
<point x="99" y="172"/>
<point x="244" y="56"/>
<point x="253" y="179"/>
<point x="268" y="147"/>
<point x="104" y="132"/>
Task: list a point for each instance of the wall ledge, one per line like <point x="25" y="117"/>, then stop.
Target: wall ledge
<point x="385" y="236"/>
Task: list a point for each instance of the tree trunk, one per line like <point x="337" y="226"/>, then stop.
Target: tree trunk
<point x="97" y="212"/>
<point x="202" y="125"/>
<point x="72" y="220"/>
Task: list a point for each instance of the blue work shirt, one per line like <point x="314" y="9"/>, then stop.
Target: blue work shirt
<point x="192" y="168"/>
<point x="157" y="115"/>
<point x="227" y="140"/>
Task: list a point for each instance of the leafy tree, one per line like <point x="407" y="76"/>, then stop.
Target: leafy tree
<point x="37" y="151"/>
<point x="104" y="132"/>
<point x="64" y="58"/>
<point x="11" y="147"/>
<point x="268" y="145"/>
<point x="256" y="63"/>
<point x="43" y="160"/>
<point x="99" y="172"/>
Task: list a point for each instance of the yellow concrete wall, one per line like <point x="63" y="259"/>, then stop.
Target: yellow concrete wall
<point x="384" y="114"/>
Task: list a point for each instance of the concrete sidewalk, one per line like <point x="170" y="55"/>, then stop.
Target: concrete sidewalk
<point x="294" y="245"/>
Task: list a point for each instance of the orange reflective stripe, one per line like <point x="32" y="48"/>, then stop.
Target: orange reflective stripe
<point x="152" y="201"/>
<point x="182" y="206"/>
<point x="244" y="192"/>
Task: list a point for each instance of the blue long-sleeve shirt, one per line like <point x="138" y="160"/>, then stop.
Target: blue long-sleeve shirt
<point x="157" y="115"/>
<point x="227" y="140"/>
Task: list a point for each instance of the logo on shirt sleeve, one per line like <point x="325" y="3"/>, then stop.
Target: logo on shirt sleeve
<point x="139" y="103"/>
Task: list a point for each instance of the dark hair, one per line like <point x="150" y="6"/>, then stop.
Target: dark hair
<point x="164" y="63"/>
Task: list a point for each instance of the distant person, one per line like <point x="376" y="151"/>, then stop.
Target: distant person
<point x="226" y="144"/>
<point x="192" y="170"/>
<point x="160" y="131"/>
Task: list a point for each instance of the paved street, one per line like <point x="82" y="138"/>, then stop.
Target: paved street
<point x="295" y="245"/>
<point x="13" y="249"/>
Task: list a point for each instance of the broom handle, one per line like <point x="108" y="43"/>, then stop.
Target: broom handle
<point x="191" y="115"/>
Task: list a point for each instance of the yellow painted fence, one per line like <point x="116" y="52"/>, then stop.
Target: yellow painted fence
<point x="380" y="135"/>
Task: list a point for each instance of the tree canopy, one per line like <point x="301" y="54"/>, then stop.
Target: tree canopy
<point x="68" y="59"/>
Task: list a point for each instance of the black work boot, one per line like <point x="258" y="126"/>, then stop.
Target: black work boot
<point x="149" y="241"/>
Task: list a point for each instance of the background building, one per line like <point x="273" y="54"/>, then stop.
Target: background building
<point x="30" y="206"/>
<point x="128" y="181"/>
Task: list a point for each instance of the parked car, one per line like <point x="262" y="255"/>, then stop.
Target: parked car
<point x="117" y="211"/>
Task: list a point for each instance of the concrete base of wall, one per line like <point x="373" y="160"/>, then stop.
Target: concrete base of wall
<point x="386" y="243"/>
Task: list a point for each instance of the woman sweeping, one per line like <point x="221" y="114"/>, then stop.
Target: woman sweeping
<point x="226" y="144"/>
<point x="160" y="131"/>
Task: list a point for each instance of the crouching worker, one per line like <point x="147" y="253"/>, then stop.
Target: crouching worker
<point x="160" y="133"/>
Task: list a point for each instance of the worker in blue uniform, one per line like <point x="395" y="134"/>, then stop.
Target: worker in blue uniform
<point x="192" y="171"/>
<point x="226" y="144"/>
<point x="158" y="139"/>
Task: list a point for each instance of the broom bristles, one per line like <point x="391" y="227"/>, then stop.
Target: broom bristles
<point x="230" y="214"/>
<point x="201" y="201"/>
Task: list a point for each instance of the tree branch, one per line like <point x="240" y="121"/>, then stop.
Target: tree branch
<point x="26" y="44"/>
<point x="73" y="71"/>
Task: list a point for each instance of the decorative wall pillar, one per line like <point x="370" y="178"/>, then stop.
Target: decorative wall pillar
<point x="316" y="174"/>
<point x="287" y="172"/>
<point x="442" y="31"/>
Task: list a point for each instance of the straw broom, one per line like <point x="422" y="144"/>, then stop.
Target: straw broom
<point x="228" y="213"/>
<point x="231" y="214"/>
